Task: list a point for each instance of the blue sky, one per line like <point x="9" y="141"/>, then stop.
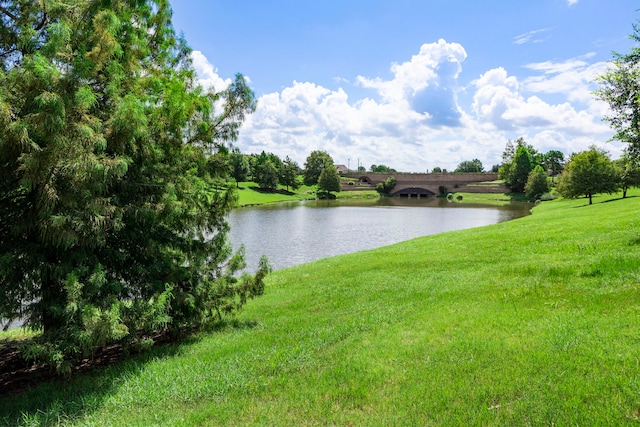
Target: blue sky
<point x="412" y="84"/>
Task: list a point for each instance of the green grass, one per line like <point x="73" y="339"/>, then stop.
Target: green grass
<point x="535" y="321"/>
<point x="495" y="199"/>
<point x="249" y="194"/>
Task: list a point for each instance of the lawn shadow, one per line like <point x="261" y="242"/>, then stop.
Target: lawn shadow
<point x="616" y="199"/>
<point x="272" y="191"/>
<point x="56" y="399"/>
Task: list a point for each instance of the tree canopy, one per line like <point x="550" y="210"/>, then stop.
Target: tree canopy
<point x="329" y="180"/>
<point x="518" y="161"/>
<point x="619" y="87"/>
<point x="588" y="173"/>
<point x="113" y="218"/>
<point x="316" y="161"/>
<point x="470" y="166"/>
<point x="537" y="184"/>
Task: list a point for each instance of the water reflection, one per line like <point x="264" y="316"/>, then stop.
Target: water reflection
<point x="298" y="232"/>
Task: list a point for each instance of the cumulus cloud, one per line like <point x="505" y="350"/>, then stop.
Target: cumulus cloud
<point x="413" y="121"/>
<point x="572" y="2"/>
<point x="427" y="83"/>
<point x="207" y="73"/>
<point x="499" y="100"/>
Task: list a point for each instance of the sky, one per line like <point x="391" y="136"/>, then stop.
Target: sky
<point x="412" y="84"/>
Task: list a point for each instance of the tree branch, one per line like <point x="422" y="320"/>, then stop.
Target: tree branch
<point x="9" y="14"/>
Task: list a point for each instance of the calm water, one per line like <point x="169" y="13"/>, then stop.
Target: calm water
<point x="298" y="232"/>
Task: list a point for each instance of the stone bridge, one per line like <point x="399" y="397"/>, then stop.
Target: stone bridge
<point x="426" y="184"/>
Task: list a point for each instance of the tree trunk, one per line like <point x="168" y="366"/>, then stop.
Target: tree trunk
<point x="590" y="201"/>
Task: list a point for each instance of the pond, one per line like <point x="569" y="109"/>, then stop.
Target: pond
<point x="294" y="233"/>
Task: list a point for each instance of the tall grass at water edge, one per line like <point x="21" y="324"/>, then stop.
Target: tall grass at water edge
<point x="535" y="321"/>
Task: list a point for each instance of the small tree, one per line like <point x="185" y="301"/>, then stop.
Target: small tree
<point x="289" y="174"/>
<point x="437" y="169"/>
<point x="386" y="186"/>
<point x="329" y="180"/>
<point x="537" y="184"/>
<point x="239" y="166"/>
<point x="588" y="173"/>
<point x="316" y="162"/>
<point x="518" y="159"/>
<point x="522" y="166"/>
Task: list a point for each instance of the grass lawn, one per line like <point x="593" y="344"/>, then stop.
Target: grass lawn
<point x="496" y="199"/>
<point x="535" y="321"/>
<point x="249" y="194"/>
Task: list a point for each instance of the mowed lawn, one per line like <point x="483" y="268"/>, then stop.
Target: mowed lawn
<point x="535" y="321"/>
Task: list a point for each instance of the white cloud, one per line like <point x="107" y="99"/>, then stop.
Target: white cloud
<point x="207" y="73"/>
<point x="572" y="2"/>
<point x="414" y="120"/>
<point x="574" y="78"/>
<point x="531" y="36"/>
<point x="499" y="100"/>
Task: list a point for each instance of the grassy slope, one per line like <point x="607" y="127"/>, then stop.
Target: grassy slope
<point x="530" y="322"/>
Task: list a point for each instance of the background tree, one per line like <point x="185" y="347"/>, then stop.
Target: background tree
<point x="588" y="173"/>
<point x="518" y="162"/>
<point x="239" y="166"/>
<point x="113" y="225"/>
<point x="537" y="184"/>
<point x="316" y="161"/>
<point x="437" y="169"/>
<point x="266" y="175"/>
<point x="381" y="169"/>
<point x="470" y="166"/>
<point x="629" y="171"/>
<point x="386" y="187"/>
<point x="620" y="88"/>
<point x="289" y="174"/>
<point x="522" y="166"/>
<point x="329" y="180"/>
<point x="553" y="162"/>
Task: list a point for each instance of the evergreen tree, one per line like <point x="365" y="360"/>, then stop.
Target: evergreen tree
<point x="289" y="174"/>
<point x="522" y="166"/>
<point x="113" y="223"/>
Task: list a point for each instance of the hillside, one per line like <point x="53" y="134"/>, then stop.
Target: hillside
<point x="530" y="322"/>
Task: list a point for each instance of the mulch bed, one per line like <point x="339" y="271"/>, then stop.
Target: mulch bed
<point x="18" y="375"/>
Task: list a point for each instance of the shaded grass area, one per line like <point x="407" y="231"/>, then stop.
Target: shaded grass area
<point x="530" y="322"/>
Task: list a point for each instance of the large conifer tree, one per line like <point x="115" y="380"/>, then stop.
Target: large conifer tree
<point x="112" y="223"/>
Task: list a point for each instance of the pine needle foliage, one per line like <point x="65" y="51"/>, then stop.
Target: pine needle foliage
<point x="112" y="208"/>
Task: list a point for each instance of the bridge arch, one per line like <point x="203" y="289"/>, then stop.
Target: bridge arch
<point x="413" y="192"/>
